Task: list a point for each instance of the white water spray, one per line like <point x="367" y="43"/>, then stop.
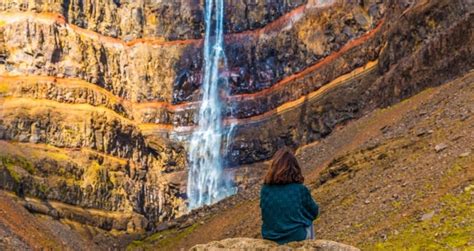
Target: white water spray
<point x="206" y="182"/>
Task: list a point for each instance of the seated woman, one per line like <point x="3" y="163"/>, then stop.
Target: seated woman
<point x="288" y="210"/>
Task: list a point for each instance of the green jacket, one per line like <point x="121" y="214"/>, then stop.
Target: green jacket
<point x="287" y="210"/>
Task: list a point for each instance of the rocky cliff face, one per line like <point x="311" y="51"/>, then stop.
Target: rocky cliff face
<point x="97" y="98"/>
<point x="167" y="20"/>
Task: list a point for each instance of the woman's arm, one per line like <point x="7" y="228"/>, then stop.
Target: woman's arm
<point x="311" y="206"/>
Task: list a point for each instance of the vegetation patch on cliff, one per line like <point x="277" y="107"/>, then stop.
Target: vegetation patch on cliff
<point x="11" y="162"/>
<point x="162" y="240"/>
<point x="3" y="86"/>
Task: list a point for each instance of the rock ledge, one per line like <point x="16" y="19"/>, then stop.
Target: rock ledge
<point x="259" y="244"/>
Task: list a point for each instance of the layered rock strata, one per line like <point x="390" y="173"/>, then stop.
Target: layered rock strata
<point x="96" y="109"/>
<point x="167" y="20"/>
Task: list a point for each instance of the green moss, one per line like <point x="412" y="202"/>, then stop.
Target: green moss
<point x="162" y="240"/>
<point x="428" y="187"/>
<point x="70" y="131"/>
<point x="57" y="156"/>
<point x="11" y="161"/>
<point x="397" y="204"/>
<point x="3" y="86"/>
<point x="452" y="227"/>
<point x="71" y="182"/>
<point x="25" y="164"/>
<point x="346" y="202"/>
<point x="11" y="170"/>
<point x="455" y="169"/>
<point x="135" y="245"/>
<point x="42" y="188"/>
<point x="458" y="239"/>
<point x="113" y="179"/>
<point x="431" y="23"/>
<point x="91" y="176"/>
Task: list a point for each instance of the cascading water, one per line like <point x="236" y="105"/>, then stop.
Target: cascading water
<point x="207" y="183"/>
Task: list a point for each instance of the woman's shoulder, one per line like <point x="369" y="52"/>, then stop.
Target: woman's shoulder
<point x="298" y="186"/>
<point x="301" y="188"/>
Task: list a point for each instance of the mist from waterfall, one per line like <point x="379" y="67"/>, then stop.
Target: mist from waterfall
<point x="207" y="183"/>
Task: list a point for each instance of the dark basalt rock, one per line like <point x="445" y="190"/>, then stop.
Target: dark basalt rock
<point x="257" y="61"/>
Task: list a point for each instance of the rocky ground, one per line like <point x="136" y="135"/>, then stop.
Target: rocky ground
<point x="400" y="177"/>
<point x="21" y="230"/>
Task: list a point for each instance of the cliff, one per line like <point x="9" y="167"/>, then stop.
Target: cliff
<point x="98" y="98"/>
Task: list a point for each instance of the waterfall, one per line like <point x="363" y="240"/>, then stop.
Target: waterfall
<point x="207" y="183"/>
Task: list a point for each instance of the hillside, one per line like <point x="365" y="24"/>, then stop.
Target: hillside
<point x="400" y="177"/>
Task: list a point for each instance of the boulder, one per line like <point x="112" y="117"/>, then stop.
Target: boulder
<point x="259" y="244"/>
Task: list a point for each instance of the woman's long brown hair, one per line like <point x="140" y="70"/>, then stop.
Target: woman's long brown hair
<point x="284" y="170"/>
